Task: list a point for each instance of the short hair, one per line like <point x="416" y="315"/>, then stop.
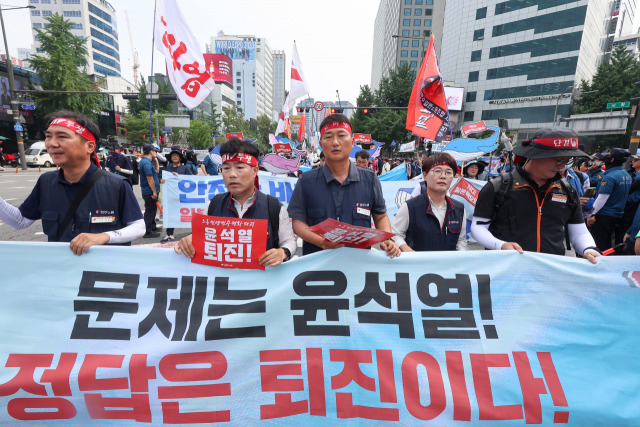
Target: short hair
<point x="81" y="119"/>
<point x="439" y="158"/>
<point x="236" y="145"/>
<point x="336" y="117"/>
<point x="362" y="154"/>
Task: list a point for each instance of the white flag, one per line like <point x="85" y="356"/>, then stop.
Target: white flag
<point x="297" y="89"/>
<point x="185" y="62"/>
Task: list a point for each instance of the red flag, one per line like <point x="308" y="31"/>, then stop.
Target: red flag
<point x="303" y="122"/>
<point x="427" y="114"/>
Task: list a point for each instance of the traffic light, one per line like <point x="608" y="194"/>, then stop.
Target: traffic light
<point x="299" y="109"/>
<point x="130" y="96"/>
<point x="333" y="110"/>
<point x="337" y="110"/>
<point x="365" y="110"/>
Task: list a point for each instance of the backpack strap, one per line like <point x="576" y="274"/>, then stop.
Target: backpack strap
<point x="86" y="187"/>
<point x="273" y="205"/>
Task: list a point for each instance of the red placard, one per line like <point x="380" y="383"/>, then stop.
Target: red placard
<point x="229" y="242"/>
<point x="350" y="235"/>
<point x="465" y="189"/>
<point x="282" y="148"/>
<point x="362" y="138"/>
<point x="236" y="134"/>
<point x="473" y="128"/>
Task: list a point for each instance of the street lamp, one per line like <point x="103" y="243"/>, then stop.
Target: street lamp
<point x="12" y="87"/>
<point x="555" y="114"/>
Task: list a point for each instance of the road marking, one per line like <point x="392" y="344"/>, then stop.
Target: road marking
<point x="8" y="200"/>
<point x="39" y="233"/>
<point x="15" y="188"/>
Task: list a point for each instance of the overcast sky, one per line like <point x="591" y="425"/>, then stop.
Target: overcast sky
<point x="334" y="37"/>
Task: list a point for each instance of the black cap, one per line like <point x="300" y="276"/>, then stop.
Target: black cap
<point x="555" y="141"/>
<point x="147" y="148"/>
<point x="618" y="153"/>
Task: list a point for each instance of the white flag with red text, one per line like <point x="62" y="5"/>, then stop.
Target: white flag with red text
<point x="297" y="88"/>
<point x="185" y="62"/>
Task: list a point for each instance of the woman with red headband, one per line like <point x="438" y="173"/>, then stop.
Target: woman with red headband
<point x="338" y="190"/>
<point x="245" y="200"/>
<point x="80" y="203"/>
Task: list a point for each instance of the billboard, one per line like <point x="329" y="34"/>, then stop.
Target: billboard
<point x="237" y="49"/>
<point x="220" y="67"/>
<point x="454" y="96"/>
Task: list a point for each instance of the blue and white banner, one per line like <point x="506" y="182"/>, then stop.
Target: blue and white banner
<point x="344" y="337"/>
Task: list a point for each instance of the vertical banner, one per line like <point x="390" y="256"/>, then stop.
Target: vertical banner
<point x="427" y="114"/>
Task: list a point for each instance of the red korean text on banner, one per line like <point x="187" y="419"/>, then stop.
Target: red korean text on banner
<point x="427" y="114"/>
<point x="282" y="148"/>
<point x="465" y="189"/>
<point x="362" y="138"/>
<point x="473" y="128"/>
<point x="229" y="242"/>
<point x="350" y="235"/>
<point x="236" y="134"/>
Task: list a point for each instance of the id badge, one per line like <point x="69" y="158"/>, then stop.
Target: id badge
<point x="363" y="211"/>
<point x="103" y="219"/>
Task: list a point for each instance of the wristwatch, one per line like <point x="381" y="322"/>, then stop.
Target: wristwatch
<point x="287" y="252"/>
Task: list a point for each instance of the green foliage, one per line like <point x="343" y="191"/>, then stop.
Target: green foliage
<point x="264" y="126"/>
<point x="215" y="119"/>
<point x="60" y="69"/>
<point x="613" y="81"/>
<point x="394" y="91"/>
<point x="233" y="120"/>
<point x="199" y="136"/>
<point x="138" y="126"/>
<point x="141" y="105"/>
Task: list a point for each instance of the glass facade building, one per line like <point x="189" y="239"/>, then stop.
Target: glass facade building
<point x="518" y="58"/>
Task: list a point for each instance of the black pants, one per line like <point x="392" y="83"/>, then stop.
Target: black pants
<point x="150" y="209"/>
<point x="607" y="232"/>
<point x="170" y="231"/>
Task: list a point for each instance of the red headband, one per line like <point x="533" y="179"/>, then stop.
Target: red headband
<point x="437" y="164"/>
<point x="240" y="157"/>
<point x="75" y="127"/>
<point x="335" y="125"/>
<point x="557" y="142"/>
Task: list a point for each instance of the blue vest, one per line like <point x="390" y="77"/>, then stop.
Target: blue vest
<point x="424" y="232"/>
<point x="259" y="210"/>
<point x="103" y="201"/>
<point x="319" y="201"/>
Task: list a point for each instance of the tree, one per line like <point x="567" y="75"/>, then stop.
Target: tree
<point x="199" y="136"/>
<point x="264" y="126"/>
<point x="215" y="119"/>
<point x="60" y="69"/>
<point x="233" y="120"/>
<point x="137" y="128"/>
<point x="162" y="106"/>
<point x="613" y="81"/>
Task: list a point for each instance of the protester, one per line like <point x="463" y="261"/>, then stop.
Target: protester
<point x="338" y="190"/>
<point x="244" y="200"/>
<point x="1" y="158"/>
<point x="432" y="221"/>
<point x="530" y="207"/>
<point x="596" y="171"/>
<point x="362" y="159"/>
<point x="631" y="236"/>
<point x="79" y="203"/>
<point x="605" y="220"/>
<point x="209" y="166"/>
<point x="150" y="188"/>
<point x="192" y="161"/>
<point x="119" y="164"/>
<point x="386" y="167"/>
<point x="177" y="165"/>
<point x="473" y="169"/>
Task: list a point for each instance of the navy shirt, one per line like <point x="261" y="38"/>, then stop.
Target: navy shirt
<point x="616" y="183"/>
<point x="210" y="166"/>
<point x="147" y="169"/>
<point x="127" y="203"/>
<point x="180" y="169"/>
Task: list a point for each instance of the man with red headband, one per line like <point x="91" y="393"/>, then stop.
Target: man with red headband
<point x="529" y="208"/>
<point x="338" y="190"/>
<point x="80" y="203"/>
<point x="244" y="200"/>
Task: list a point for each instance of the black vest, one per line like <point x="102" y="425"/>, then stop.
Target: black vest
<point x="103" y="200"/>
<point x="319" y="201"/>
<point x="258" y="210"/>
<point x="424" y="232"/>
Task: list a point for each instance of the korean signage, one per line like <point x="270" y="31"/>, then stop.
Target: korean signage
<point x="350" y="235"/>
<point x="362" y="138"/>
<point x="473" y="128"/>
<point x="446" y="337"/>
<point x="282" y="148"/>
<point x="220" y="67"/>
<point x="236" y="134"/>
<point x="237" y="49"/>
<point x="14" y="60"/>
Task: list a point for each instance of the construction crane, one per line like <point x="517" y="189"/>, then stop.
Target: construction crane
<point x="134" y="53"/>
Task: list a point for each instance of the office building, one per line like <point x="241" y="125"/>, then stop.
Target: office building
<point x="253" y="72"/>
<point x="93" y="20"/>
<point x="518" y="60"/>
<point x="279" y="72"/>
<point x="624" y="27"/>
<point x="401" y="34"/>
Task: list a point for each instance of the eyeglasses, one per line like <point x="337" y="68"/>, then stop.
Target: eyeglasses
<point x="562" y="160"/>
<point x="438" y="171"/>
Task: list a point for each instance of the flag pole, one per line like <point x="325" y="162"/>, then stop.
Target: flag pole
<point x="153" y="42"/>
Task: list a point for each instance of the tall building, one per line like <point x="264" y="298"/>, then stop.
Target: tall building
<point x="93" y="20"/>
<point x="401" y="34"/>
<point x="624" y="27"/>
<point x="520" y="60"/>
<point x="279" y="72"/>
<point x="253" y="78"/>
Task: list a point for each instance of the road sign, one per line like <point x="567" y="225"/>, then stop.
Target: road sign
<point x="318" y="106"/>
<point x="28" y="107"/>
<point x="167" y="130"/>
<point x="621" y="104"/>
<point x="18" y="127"/>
